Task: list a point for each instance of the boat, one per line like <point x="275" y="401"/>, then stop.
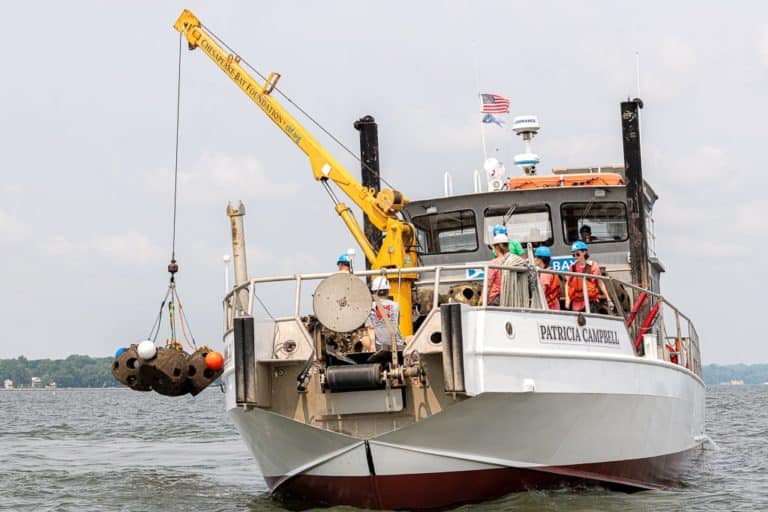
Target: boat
<point x="482" y="400"/>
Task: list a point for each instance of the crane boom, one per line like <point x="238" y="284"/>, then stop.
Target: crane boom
<point x="398" y="248"/>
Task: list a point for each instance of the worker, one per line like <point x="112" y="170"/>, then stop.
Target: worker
<point x="550" y="283"/>
<point x="585" y="234"/>
<point x="516" y="248"/>
<point x="344" y="262"/>
<point x="383" y="307"/>
<point x="500" y="244"/>
<point x="574" y="291"/>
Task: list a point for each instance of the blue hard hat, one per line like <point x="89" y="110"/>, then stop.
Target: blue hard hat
<point x="578" y="245"/>
<point x="344" y="258"/>
<point x="498" y="229"/>
<point x="542" y="252"/>
<point x="119" y="352"/>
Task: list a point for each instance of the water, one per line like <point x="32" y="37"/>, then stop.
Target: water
<point x="114" y="449"/>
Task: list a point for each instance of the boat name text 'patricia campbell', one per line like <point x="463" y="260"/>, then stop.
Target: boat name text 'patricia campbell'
<point x="559" y="333"/>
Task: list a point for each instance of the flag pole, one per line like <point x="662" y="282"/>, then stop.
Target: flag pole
<point x="482" y="137"/>
<point x="480" y="101"/>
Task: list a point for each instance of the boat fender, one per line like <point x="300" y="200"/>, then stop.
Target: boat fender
<point x="358" y="377"/>
<point x="147" y="349"/>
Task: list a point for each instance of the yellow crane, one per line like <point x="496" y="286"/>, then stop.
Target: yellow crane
<point x="398" y="246"/>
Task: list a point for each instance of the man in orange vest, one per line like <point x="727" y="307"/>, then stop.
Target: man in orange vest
<point x="550" y="282"/>
<point x="574" y="292"/>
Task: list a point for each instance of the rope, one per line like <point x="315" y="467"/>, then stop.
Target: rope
<point x="155" y="330"/>
<point x="185" y="323"/>
<point x="172" y="317"/>
<point x="304" y="112"/>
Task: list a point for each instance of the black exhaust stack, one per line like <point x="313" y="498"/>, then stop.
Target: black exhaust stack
<point x="638" y="240"/>
<point x="369" y="168"/>
<point x="245" y="362"/>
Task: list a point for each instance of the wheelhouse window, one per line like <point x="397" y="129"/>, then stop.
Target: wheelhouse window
<point x="446" y="232"/>
<point x="524" y="224"/>
<point x="594" y="222"/>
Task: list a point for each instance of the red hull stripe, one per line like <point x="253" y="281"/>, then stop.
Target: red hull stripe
<point x="436" y="490"/>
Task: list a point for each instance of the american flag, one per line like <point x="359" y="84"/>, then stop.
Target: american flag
<point x="494" y="104"/>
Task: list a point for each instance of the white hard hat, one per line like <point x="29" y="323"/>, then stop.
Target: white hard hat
<point x="501" y="238"/>
<point x="380" y="283"/>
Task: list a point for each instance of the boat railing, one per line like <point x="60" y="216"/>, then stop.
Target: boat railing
<point x="672" y="334"/>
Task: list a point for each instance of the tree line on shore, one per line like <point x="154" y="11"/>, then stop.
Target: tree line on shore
<point x="749" y="373"/>
<point x="75" y="371"/>
<point x="78" y="371"/>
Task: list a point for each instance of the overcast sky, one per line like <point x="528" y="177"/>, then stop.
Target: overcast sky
<point x="88" y="98"/>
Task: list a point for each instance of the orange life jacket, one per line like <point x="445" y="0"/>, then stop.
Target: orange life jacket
<point x="576" y="289"/>
<point x="552" y="291"/>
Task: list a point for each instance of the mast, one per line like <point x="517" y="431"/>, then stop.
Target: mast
<point x="236" y="214"/>
<point x="638" y="241"/>
<point x="369" y="170"/>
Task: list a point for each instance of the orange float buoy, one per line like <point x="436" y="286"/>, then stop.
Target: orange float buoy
<point x="214" y="361"/>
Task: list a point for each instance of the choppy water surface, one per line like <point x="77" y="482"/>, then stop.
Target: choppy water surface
<point x="114" y="449"/>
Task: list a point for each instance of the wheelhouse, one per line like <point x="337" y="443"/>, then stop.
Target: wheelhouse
<point x="548" y="210"/>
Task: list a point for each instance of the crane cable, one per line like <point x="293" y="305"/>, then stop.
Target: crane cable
<point x="304" y="112"/>
<point x="176" y="162"/>
<point x="171" y="295"/>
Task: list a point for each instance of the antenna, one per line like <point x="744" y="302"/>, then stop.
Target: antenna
<point x="495" y="171"/>
<point x="527" y="127"/>
<point x="447" y="184"/>
<point x="226" y="259"/>
<point x="477" y="182"/>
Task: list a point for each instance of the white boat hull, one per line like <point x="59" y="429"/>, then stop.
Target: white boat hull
<point x="539" y="415"/>
<point x="486" y="446"/>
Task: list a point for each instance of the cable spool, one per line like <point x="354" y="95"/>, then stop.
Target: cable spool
<point x="357" y="377"/>
<point x="342" y="302"/>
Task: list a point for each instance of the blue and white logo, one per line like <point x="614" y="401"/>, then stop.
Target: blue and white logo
<point x="475" y="273"/>
<point x="562" y="263"/>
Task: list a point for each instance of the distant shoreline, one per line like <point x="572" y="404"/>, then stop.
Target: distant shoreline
<point x="63" y="389"/>
<point x="85" y="372"/>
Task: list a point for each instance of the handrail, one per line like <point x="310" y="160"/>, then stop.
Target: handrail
<point x="689" y="345"/>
